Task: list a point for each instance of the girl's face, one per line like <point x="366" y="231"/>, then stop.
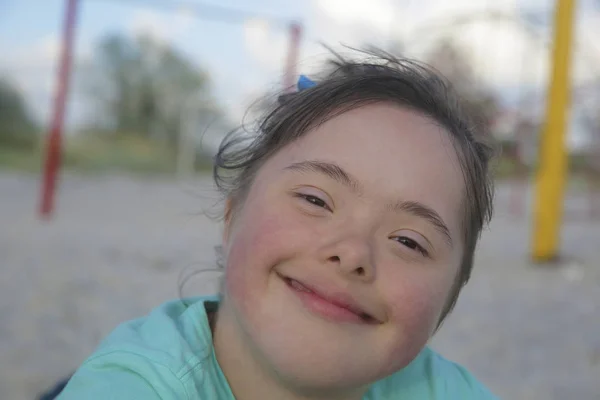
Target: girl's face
<point x="344" y="253"/>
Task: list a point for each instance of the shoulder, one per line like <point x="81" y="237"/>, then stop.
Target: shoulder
<point x="431" y="377"/>
<point x="162" y="355"/>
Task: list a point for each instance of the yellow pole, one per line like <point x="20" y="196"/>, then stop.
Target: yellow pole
<point x="553" y="160"/>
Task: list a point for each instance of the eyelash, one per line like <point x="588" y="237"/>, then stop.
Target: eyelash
<point x="409" y="243"/>
<point x="314" y="200"/>
<point x="403" y="240"/>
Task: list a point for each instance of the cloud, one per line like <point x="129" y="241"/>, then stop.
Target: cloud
<point x="501" y="47"/>
<point x="587" y="47"/>
<point x="266" y="44"/>
<point x="32" y="69"/>
<point x="509" y="50"/>
<point x="511" y="54"/>
<point x="378" y="14"/>
<point x="504" y="53"/>
<point x="42" y="53"/>
<point x="419" y="26"/>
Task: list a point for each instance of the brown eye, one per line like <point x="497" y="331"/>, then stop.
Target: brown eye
<point x="411" y="244"/>
<point x="314" y="200"/>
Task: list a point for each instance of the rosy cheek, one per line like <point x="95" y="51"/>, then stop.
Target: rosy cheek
<point x="254" y="248"/>
<point x="415" y="309"/>
<point x="417" y="313"/>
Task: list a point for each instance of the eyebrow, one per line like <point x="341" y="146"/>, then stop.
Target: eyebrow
<point x="331" y="170"/>
<point x="339" y="175"/>
<point x="422" y="211"/>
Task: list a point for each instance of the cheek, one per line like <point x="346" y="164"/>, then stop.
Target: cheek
<point x="245" y="254"/>
<point x="415" y="305"/>
<point x="261" y="239"/>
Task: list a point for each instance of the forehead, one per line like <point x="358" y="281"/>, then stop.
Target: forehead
<point x="393" y="151"/>
<point x="385" y="129"/>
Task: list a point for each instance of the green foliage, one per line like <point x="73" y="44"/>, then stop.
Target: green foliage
<point x="140" y="87"/>
<point x="20" y="159"/>
<point x="103" y="153"/>
<point x="17" y="129"/>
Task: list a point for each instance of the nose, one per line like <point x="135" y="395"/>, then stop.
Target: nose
<point x="352" y="256"/>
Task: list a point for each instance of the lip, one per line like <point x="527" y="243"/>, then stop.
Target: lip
<point x="335" y="306"/>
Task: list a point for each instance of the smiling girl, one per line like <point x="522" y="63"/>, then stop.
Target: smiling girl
<point x="350" y="225"/>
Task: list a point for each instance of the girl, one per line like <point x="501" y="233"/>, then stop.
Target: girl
<point x="350" y="224"/>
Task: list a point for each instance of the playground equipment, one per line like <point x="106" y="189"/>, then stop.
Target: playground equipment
<point x="198" y="10"/>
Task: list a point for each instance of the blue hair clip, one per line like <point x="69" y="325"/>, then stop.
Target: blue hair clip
<point x="305" y="83"/>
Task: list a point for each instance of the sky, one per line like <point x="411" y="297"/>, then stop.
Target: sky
<point x="246" y="58"/>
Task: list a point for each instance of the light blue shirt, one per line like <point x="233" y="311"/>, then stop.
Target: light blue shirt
<point x="169" y="355"/>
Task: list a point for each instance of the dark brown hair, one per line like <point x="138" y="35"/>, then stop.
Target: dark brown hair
<point x="347" y="84"/>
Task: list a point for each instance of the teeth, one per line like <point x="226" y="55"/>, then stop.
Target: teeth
<point x="298" y="286"/>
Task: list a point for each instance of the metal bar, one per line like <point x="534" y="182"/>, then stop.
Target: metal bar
<point x="553" y="160"/>
<point x="53" y="149"/>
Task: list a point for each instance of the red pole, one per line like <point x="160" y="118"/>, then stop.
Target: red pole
<point x="53" y="146"/>
<point x="289" y="77"/>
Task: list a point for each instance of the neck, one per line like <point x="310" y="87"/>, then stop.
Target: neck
<point x="248" y="376"/>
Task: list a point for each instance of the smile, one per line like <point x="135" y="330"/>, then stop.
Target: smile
<point x="329" y="307"/>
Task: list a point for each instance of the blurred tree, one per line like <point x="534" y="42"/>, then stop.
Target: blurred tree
<point x="141" y="87"/>
<point x="452" y="62"/>
<point x="17" y="128"/>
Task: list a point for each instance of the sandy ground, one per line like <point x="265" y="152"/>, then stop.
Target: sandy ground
<point x="118" y="246"/>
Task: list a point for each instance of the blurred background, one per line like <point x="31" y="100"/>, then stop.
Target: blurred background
<point x="152" y="88"/>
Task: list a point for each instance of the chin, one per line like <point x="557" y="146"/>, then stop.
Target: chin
<point x="308" y="351"/>
<point x="304" y="350"/>
<point x="312" y="359"/>
<point x="314" y="370"/>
